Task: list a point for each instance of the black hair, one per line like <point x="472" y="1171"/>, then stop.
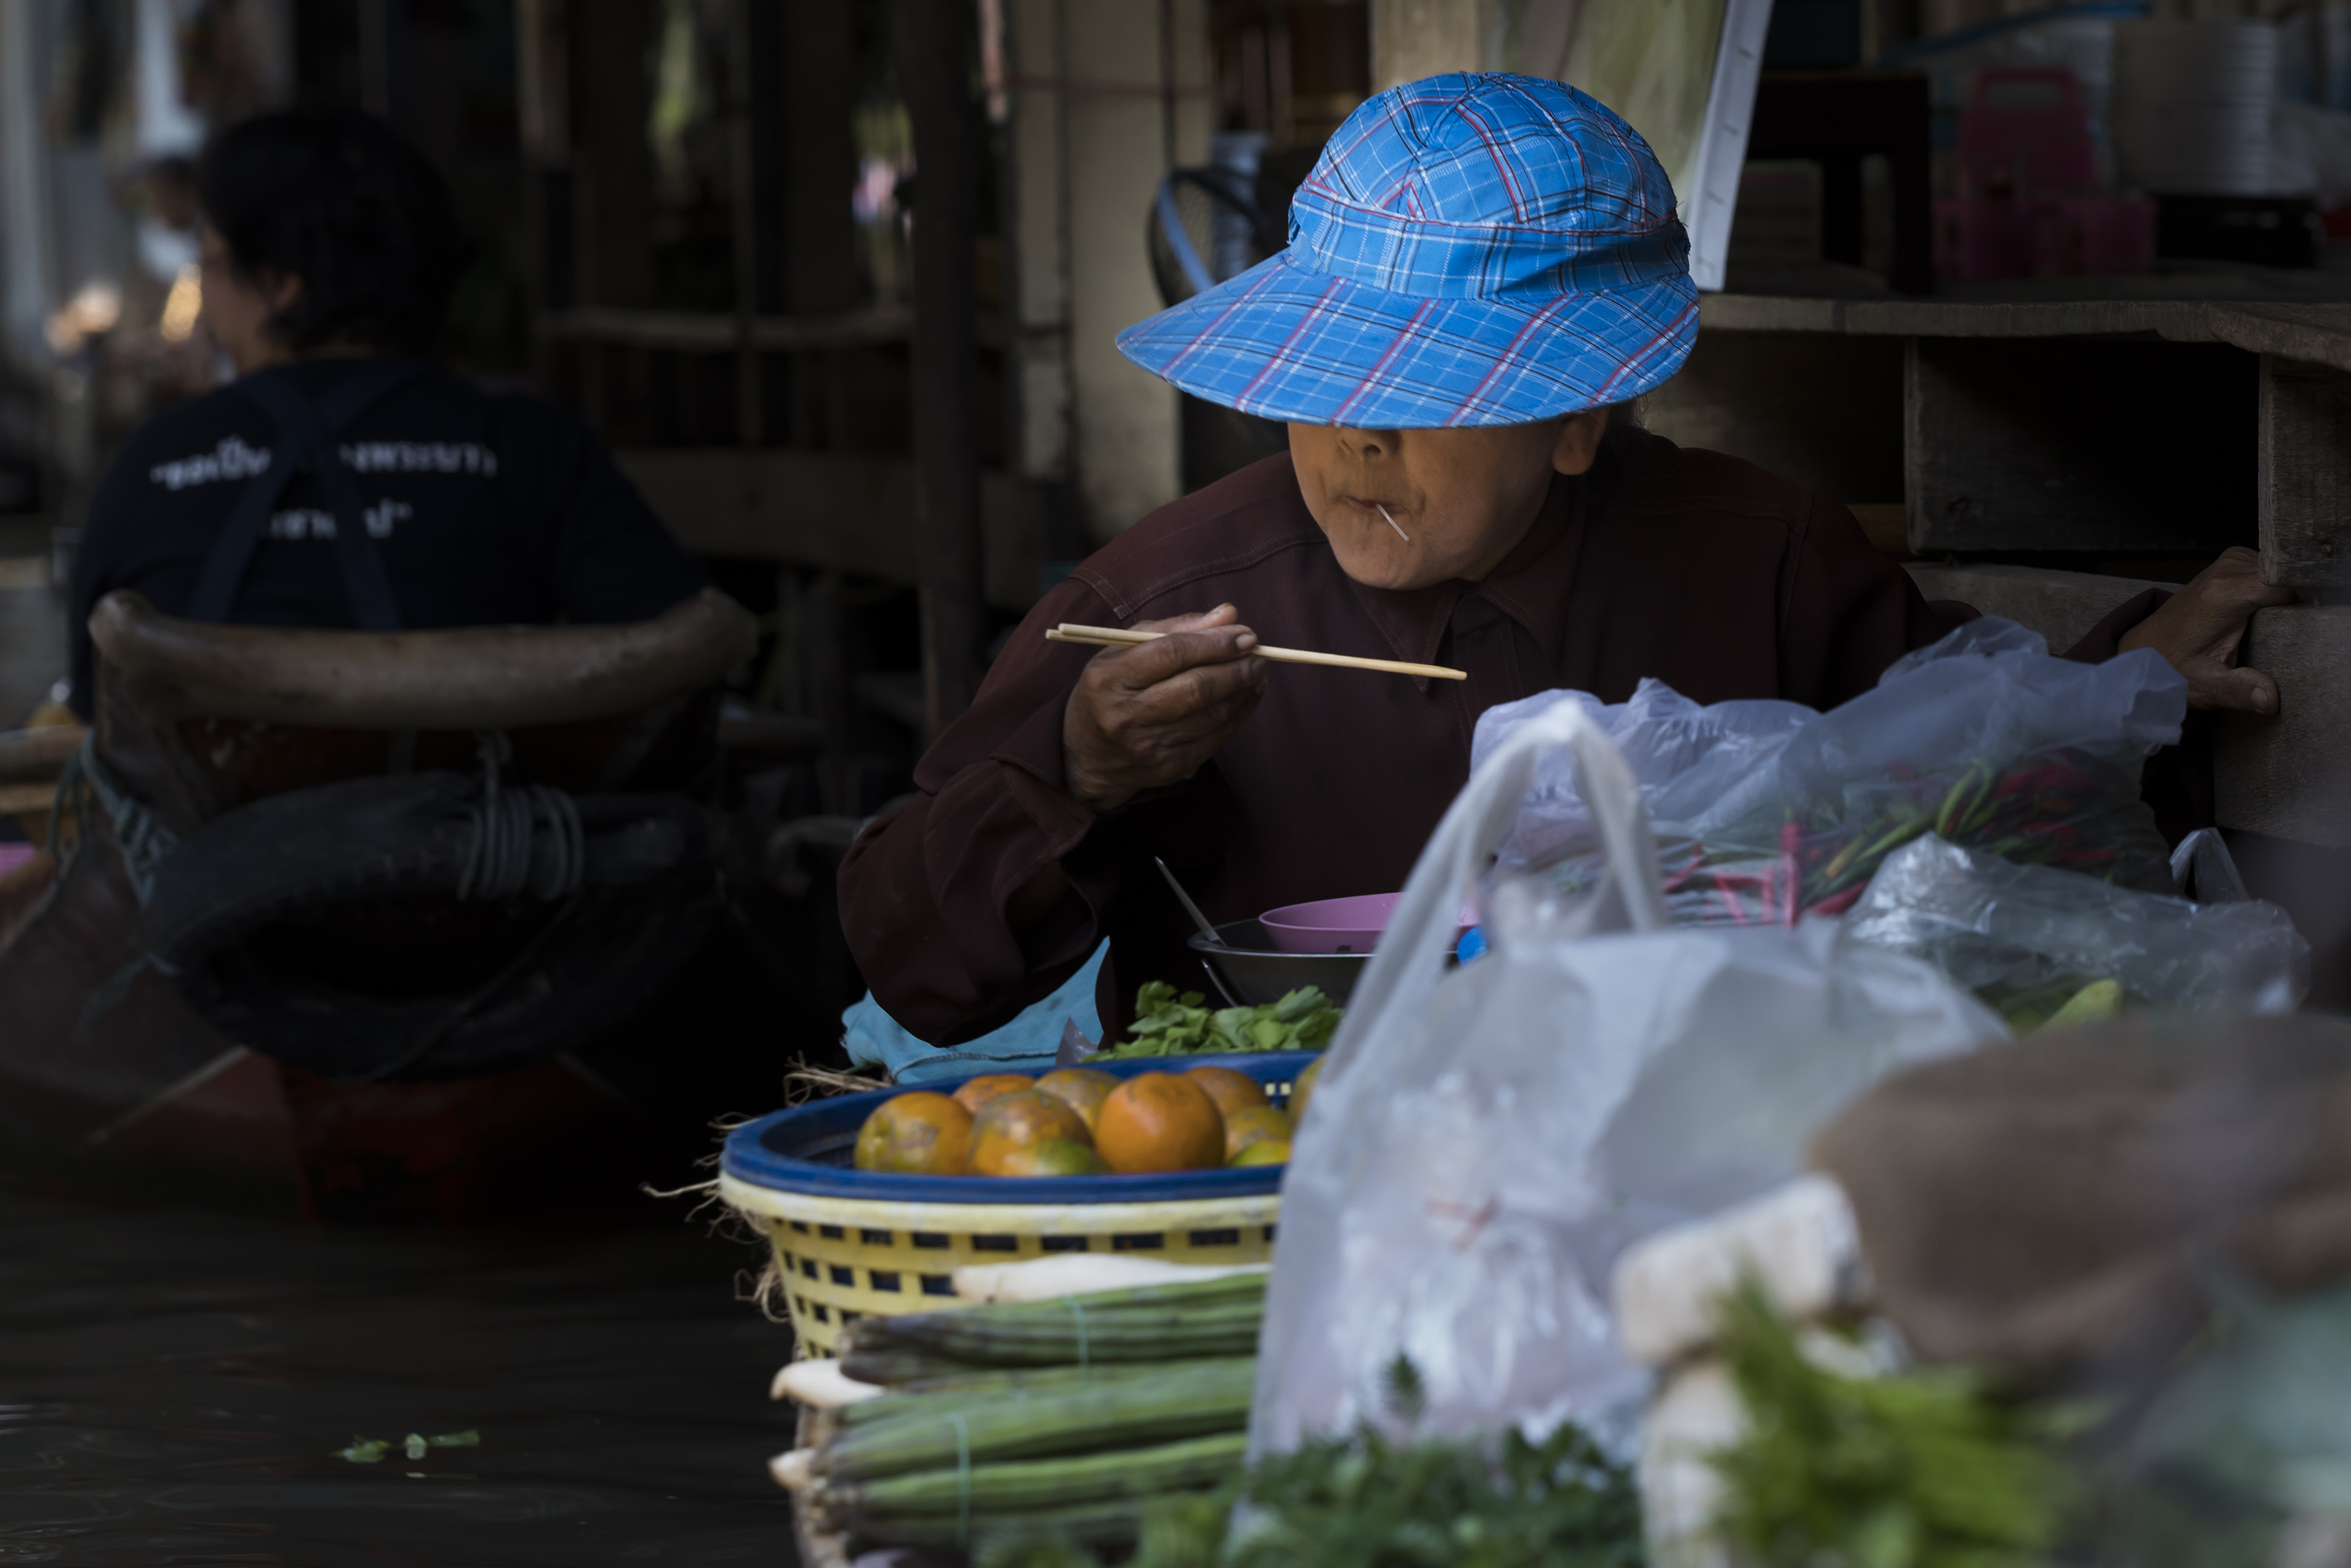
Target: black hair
<point x="346" y="204"/>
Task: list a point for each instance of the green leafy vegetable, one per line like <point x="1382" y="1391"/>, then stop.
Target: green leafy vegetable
<point x="1916" y="1470"/>
<point x="1370" y="1501"/>
<point x="1367" y="1501"/>
<point x="1168" y="1024"/>
<point x="371" y="1450"/>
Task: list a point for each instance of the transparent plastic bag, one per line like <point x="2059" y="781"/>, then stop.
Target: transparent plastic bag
<point x="1484" y="1141"/>
<point x="1765" y="811"/>
<point x="2025" y="938"/>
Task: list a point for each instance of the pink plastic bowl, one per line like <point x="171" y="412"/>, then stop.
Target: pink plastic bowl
<point x="1334" y="925"/>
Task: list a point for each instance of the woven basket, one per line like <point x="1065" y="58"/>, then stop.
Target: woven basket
<point x="850" y="1242"/>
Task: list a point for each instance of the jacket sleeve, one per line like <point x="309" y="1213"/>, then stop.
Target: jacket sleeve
<point x="922" y="890"/>
<point x="1848" y="612"/>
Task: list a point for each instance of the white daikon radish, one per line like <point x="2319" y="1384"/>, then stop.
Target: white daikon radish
<point x="1077" y="1273"/>
<point x="1799" y="1242"/>
<point x="794" y="1471"/>
<point x="1695" y="1414"/>
<point x="822" y="1384"/>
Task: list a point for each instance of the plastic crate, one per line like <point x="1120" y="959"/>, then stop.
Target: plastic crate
<point x="850" y="1242"/>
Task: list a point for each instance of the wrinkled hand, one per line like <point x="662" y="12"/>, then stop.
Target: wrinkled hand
<point x="2202" y="627"/>
<point x="1143" y="718"/>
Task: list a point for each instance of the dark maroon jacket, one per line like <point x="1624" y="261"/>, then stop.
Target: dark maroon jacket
<point x="1702" y="570"/>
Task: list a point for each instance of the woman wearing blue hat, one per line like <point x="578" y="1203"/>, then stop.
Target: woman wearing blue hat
<point x="1484" y="272"/>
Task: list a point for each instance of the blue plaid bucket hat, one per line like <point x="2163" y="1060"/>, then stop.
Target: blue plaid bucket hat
<point x="1469" y="250"/>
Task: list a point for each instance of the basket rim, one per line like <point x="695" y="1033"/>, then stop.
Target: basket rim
<point x="750" y="1158"/>
<point x="1037" y="1218"/>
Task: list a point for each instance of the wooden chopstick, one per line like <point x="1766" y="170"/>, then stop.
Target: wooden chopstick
<point x="1119" y="637"/>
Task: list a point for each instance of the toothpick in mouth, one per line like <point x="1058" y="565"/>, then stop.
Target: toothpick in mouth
<point x="1393" y="522"/>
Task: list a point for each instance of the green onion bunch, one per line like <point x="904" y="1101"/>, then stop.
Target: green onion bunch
<point x="1059" y="1420"/>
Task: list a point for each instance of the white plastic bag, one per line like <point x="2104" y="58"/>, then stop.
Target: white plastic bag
<point x="1484" y="1141"/>
<point x="2025" y="937"/>
<point x="1765" y="810"/>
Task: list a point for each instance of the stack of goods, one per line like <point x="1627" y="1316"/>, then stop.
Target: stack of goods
<point x="1077" y="1120"/>
<point x="2030" y="202"/>
<point x="2193" y="104"/>
<point x="1066" y="1416"/>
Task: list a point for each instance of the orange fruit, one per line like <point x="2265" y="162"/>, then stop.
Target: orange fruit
<point x="1230" y="1087"/>
<point x="921" y="1134"/>
<point x="1009" y="1127"/>
<point x="1160" y="1122"/>
<point x="1302" y="1088"/>
<point x="1053" y="1157"/>
<point x="987" y="1086"/>
<point x="1267" y="1154"/>
<point x="1083" y="1089"/>
<point x="1255" y="1125"/>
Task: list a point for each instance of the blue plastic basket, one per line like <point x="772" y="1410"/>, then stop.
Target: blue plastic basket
<point x="850" y="1242"/>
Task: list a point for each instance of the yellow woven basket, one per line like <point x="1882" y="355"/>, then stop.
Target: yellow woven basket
<point x="846" y="1247"/>
<point x="840" y="1259"/>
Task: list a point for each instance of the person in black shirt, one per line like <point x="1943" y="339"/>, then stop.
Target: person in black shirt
<point x="344" y="480"/>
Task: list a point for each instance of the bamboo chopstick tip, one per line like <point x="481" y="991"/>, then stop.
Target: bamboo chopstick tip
<point x="1117" y="637"/>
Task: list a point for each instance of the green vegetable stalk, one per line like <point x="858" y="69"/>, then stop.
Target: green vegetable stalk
<point x="1187" y="1400"/>
<point x="1029" y="1485"/>
<point x="1154" y="1322"/>
<point x="981" y="1385"/>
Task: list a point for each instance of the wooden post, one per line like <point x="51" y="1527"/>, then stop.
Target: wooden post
<point x="612" y="184"/>
<point x="935" y="69"/>
<point x="819" y="107"/>
<point x="751" y="419"/>
<point x="816" y="247"/>
<point x="2306" y="474"/>
<point x="825" y="674"/>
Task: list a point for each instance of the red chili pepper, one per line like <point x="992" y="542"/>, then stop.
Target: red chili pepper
<point x="1838" y="903"/>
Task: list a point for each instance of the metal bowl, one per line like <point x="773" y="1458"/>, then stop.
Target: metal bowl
<point x="1251" y="971"/>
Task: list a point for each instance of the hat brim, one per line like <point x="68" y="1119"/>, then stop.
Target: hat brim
<point x="1285" y="343"/>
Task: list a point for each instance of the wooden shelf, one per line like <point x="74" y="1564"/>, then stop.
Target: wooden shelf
<point x="691" y="331"/>
<point x="2319" y="331"/>
<point x="2093" y="416"/>
<point x="2062" y="606"/>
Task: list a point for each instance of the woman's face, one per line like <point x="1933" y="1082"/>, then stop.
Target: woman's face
<point x="239" y="311"/>
<point x="1460" y="500"/>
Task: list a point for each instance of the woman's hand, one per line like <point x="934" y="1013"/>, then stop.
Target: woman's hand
<point x="1144" y="717"/>
<point x="2201" y="627"/>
